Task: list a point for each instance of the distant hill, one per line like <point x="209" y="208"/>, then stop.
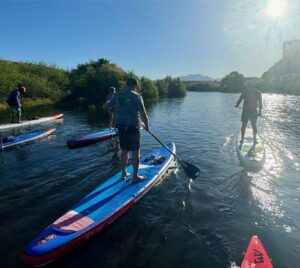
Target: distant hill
<point x="289" y="64"/>
<point x="196" y="77"/>
<point x="284" y="76"/>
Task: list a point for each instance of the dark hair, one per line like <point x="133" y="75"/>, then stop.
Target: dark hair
<point x="21" y="88"/>
<point x="112" y="90"/>
<point x="131" y="82"/>
<point x="20" y="85"/>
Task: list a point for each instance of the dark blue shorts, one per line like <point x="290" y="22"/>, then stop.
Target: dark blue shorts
<point x="15" y="109"/>
<point x="129" y="137"/>
<point x="249" y="115"/>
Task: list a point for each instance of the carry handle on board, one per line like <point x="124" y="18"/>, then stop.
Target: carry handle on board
<point x="190" y="170"/>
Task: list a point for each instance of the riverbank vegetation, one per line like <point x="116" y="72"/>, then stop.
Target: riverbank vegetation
<point x="236" y="83"/>
<point x="83" y="86"/>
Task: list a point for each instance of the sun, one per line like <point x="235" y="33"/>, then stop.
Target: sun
<point x="275" y="8"/>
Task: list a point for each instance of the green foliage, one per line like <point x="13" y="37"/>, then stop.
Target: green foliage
<point x="233" y="82"/>
<point x="204" y="86"/>
<point x="91" y="81"/>
<point x="162" y="86"/>
<point x="176" y="88"/>
<point x="41" y="81"/>
<point x="84" y="86"/>
<point x="171" y="87"/>
<point x="148" y="88"/>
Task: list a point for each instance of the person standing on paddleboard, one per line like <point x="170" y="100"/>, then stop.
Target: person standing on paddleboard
<point x="129" y="107"/>
<point x="252" y="100"/>
<point x="14" y="102"/>
<point x="111" y="111"/>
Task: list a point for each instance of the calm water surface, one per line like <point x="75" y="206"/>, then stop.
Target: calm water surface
<point x="180" y="223"/>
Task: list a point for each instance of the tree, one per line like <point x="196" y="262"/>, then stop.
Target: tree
<point x="92" y="80"/>
<point x="233" y="82"/>
<point x="176" y="88"/>
<point x="148" y="89"/>
<point x="162" y="87"/>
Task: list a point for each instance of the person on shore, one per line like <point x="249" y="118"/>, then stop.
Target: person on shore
<point x="129" y="107"/>
<point x="14" y="102"/>
<point x="252" y="100"/>
<point x="111" y="111"/>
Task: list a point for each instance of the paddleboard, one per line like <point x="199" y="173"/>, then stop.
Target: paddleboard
<point x="30" y="122"/>
<point x="256" y="256"/>
<point x="97" y="210"/>
<point x="92" y="138"/>
<point x="252" y="156"/>
<point x="24" y="138"/>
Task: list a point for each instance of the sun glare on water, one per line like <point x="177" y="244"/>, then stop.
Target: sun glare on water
<point x="275" y="8"/>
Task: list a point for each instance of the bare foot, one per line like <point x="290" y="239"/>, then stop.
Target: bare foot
<point x="138" y="179"/>
<point x="125" y="175"/>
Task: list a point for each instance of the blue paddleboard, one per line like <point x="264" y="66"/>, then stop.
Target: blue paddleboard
<point x="24" y="138"/>
<point x="97" y="210"/>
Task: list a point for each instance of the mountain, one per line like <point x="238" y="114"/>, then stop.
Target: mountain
<point x="195" y="77"/>
<point x="289" y="64"/>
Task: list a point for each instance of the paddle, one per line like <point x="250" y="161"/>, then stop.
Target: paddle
<point x="29" y="117"/>
<point x="275" y="122"/>
<point x="190" y="170"/>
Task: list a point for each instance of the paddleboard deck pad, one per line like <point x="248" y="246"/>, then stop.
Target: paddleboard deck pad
<point x="256" y="256"/>
<point x="252" y="156"/>
<point x="97" y="210"/>
<point x="31" y="122"/>
<point x="92" y="138"/>
<point x="24" y="138"/>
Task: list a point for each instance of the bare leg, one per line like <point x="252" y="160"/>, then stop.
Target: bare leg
<point x="243" y="130"/>
<point x="124" y="157"/>
<point x="19" y="117"/>
<point x="254" y="129"/>
<point x="135" y="163"/>
<point x="12" y="117"/>
<point x="110" y="119"/>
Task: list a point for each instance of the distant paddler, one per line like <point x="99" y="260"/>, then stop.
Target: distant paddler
<point x="252" y="100"/>
<point x="14" y="102"/>
<point x="130" y="110"/>
<point x="111" y="110"/>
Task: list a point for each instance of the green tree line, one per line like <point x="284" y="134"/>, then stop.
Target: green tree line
<point x="87" y="84"/>
<point x="235" y="82"/>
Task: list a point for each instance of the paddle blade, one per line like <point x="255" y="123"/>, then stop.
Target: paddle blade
<point x="190" y="170"/>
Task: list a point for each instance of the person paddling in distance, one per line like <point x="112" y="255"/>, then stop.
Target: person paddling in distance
<point x="252" y="100"/>
<point x="130" y="109"/>
<point x="14" y="102"/>
<point x="111" y="111"/>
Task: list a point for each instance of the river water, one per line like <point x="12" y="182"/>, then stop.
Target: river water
<point x="204" y="223"/>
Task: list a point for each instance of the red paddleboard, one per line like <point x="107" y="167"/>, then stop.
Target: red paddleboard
<point x="256" y="256"/>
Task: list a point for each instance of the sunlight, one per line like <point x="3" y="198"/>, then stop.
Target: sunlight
<point x="275" y="8"/>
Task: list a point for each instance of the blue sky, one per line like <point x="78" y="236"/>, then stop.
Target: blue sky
<point x="152" y="38"/>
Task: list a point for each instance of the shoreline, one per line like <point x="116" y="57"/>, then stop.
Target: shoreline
<point x="30" y="103"/>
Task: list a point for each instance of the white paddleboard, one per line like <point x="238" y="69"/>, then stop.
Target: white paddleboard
<point x="30" y="122"/>
<point x="252" y="156"/>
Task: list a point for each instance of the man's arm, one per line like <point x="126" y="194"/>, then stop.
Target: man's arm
<point x="142" y="110"/>
<point x="19" y="100"/>
<point x="110" y="103"/>
<point x="145" y="120"/>
<point x="239" y="100"/>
